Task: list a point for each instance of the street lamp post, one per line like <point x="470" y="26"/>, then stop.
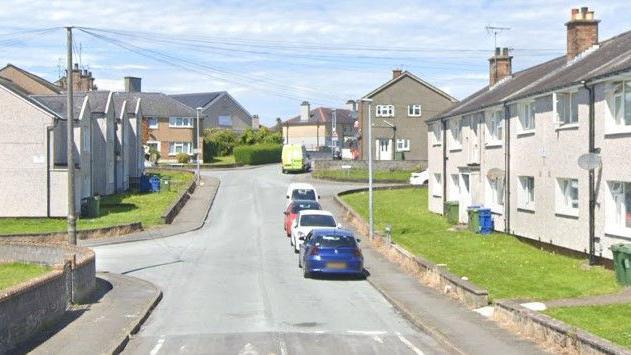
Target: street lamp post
<point x="199" y="149"/>
<point x="371" y="224"/>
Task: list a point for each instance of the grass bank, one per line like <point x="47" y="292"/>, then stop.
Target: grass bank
<point x="507" y="267"/>
<point x="361" y="175"/>
<point x="116" y="209"/>
<point x="14" y="273"/>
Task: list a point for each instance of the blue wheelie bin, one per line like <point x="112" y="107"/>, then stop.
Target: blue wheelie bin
<point x="155" y="183"/>
<point x="486" y="220"/>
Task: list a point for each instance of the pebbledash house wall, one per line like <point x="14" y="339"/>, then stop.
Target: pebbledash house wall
<point x="548" y="153"/>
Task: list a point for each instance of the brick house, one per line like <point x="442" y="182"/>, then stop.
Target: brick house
<point x="514" y="146"/>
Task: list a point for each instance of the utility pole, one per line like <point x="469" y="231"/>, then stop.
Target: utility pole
<point x="371" y="224"/>
<point x="72" y="220"/>
<point x="199" y="110"/>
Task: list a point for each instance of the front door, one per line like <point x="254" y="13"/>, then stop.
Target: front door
<point x="383" y="149"/>
<point x="465" y="198"/>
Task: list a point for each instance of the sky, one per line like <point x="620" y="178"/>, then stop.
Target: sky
<point x="272" y="55"/>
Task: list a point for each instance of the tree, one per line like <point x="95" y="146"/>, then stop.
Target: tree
<point x="220" y="142"/>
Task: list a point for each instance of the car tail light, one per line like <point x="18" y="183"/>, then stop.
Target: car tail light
<point x="314" y="251"/>
<point x="357" y="252"/>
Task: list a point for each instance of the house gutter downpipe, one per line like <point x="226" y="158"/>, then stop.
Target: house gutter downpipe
<point x="72" y="220"/>
<point x="592" y="188"/>
<point x="507" y="172"/>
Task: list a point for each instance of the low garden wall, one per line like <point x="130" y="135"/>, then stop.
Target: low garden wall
<point x="30" y="306"/>
<point x="419" y="165"/>
<point x="169" y="215"/>
<point x="62" y="237"/>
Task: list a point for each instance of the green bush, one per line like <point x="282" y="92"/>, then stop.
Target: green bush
<point x="258" y="154"/>
<point x="183" y="158"/>
<point x="220" y="142"/>
<point x="261" y="136"/>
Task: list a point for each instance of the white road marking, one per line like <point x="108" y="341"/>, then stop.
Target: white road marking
<point x="377" y="339"/>
<point x="157" y="347"/>
<point x="367" y="332"/>
<point x="409" y="344"/>
<point x="283" y="347"/>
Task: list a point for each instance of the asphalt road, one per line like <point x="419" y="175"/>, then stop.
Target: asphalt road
<point x="234" y="287"/>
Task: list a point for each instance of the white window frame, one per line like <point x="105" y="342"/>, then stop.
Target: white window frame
<point x="527" y="114"/>
<point x="153" y="126"/>
<point x="455" y="136"/>
<point x="219" y="118"/>
<point x="384" y="111"/>
<point x="617" y="212"/>
<point x="616" y="120"/>
<point x="526" y="195"/>
<point x="495" y="194"/>
<point x="454" y="187"/>
<point x="564" y="203"/>
<point x="566" y="115"/>
<point x="437" y="134"/>
<point x="180" y="122"/>
<point x="437" y="185"/>
<point x="403" y="145"/>
<point x="174" y="145"/>
<point x="495" y="127"/>
<point x="415" y="110"/>
<point x="157" y="143"/>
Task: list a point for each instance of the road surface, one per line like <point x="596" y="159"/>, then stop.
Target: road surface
<point x="234" y="287"/>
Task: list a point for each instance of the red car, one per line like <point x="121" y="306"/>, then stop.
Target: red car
<point x="292" y="210"/>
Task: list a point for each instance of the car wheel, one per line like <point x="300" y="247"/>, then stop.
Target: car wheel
<point x="299" y="262"/>
<point x="306" y="273"/>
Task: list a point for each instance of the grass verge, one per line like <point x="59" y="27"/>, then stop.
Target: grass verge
<point x="609" y="321"/>
<point x="505" y="266"/>
<point x="362" y="175"/>
<point x="14" y="273"/>
<point x="116" y="209"/>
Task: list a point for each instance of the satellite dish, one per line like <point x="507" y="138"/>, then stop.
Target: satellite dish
<point x="495" y="174"/>
<point x="589" y="161"/>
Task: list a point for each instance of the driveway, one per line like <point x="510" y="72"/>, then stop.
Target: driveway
<point x="234" y="287"/>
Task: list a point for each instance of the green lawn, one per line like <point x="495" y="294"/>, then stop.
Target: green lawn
<point x="116" y="209"/>
<point x="362" y="175"/>
<point x="505" y="266"/>
<point x="14" y="273"/>
<point x="610" y="322"/>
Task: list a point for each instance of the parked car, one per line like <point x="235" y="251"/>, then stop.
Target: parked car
<point x="295" y="158"/>
<point x="308" y="220"/>
<point x="331" y="251"/>
<point x="301" y="191"/>
<point x="419" y="178"/>
<point x="292" y="211"/>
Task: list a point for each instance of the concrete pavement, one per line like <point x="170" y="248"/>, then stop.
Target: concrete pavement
<point x="233" y="286"/>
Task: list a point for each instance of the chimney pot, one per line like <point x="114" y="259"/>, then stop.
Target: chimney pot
<point x="396" y="73"/>
<point x="582" y="32"/>
<point x="500" y="65"/>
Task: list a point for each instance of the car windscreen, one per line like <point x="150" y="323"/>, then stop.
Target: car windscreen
<point x="317" y="221"/>
<point x="334" y="241"/>
<point x="303" y="194"/>
<point x="299" y="206"/>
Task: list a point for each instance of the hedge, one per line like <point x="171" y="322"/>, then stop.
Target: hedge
<point x="258" y="154"/>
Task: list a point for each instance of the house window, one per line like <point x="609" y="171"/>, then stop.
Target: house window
<point x="454" y="187"/>
<point x="414" y="110"/>
<point x="495" y="194"/>
<point x="619" y="103"/>
<point x="437" y="185"/>
<point x="495" y="127"/>
<point x="455" y="128"/>
<point x="225" y="120"/>
<point x="526" y="196"/>
<point x="437" y="134"/>
<point x="619" y="207"/>
<point x="566" y="108"/>
<point x="153" y="122"/>
<point x="153" y="145"/>
<point x="180" y="147"/>
<point x="385" y="111"/>
<point x="527" y="116"/>
<point x="181" y="122"/>
<point x="567" y="196"/>
<point x="403" y="145"/>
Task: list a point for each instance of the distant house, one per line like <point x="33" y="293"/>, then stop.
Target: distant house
<point x="518" y="146"/>
<point x="219" y="110"/>
<point x="399" y="110"/>
<point x="29" y="83"/>
<point x="314" y="128"/>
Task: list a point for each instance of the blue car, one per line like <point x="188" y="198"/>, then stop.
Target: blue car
<point x="331" y="251"/>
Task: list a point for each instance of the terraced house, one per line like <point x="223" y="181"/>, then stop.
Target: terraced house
<point x="515" y="145"/>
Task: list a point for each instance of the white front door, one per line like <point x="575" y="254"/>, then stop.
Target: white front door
<point x="465" y="198"/>
<point x="383" y="147"/>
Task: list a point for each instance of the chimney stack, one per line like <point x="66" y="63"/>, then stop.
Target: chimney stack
<point x="256" y="124"/>
<point x="582" y="32"/>
<point x="132" y="84"/>
<point x="500" y="66"/>
<point x="396" y="73"/>
<point x="305" y="111"/>
<point x="351" y="105"/>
